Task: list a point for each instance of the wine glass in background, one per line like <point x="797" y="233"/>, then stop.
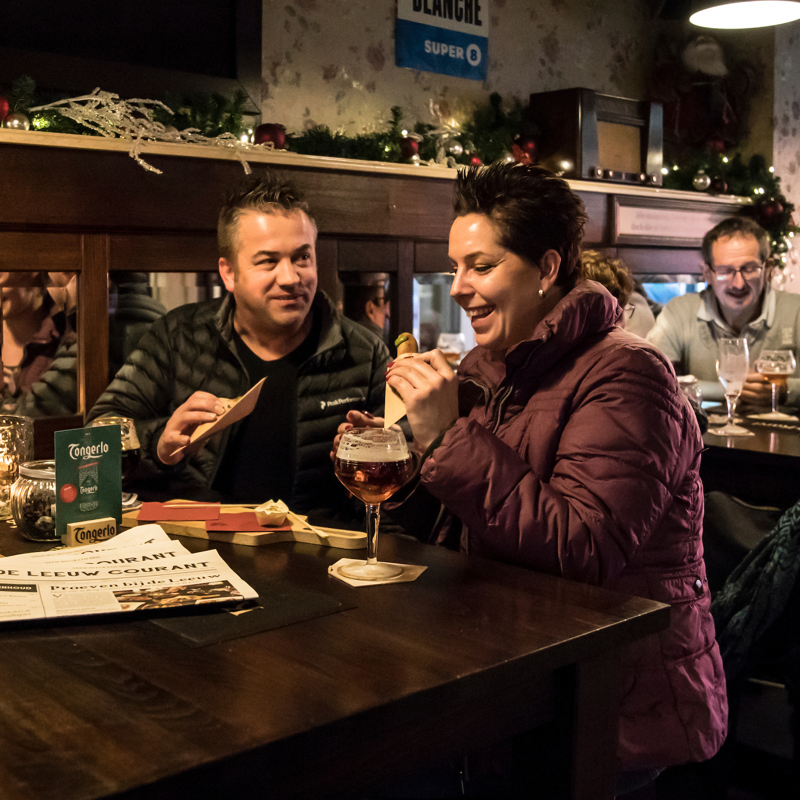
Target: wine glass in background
<point x="452" y="346"/>
<point x="131" y="452"/>
<point x="372" y="463"/>
<point x="733" y="366"/>
<point x="776" y="366"/>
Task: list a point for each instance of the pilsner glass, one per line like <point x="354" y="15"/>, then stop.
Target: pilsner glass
<point x="372" y="463"/>
<point x="776" y="366"/>
<point x="733" y="365"/>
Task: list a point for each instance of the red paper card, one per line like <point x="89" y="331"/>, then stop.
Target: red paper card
<point x="240" y="522"/>
<point x="160" y="512"/>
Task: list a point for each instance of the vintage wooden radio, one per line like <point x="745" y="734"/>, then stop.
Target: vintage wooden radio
<point x="592" y="136"/>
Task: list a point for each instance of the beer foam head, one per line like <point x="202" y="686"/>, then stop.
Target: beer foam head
<point x="372" y="444"/>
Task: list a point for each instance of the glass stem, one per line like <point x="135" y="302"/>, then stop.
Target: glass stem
<point x="373" y="521"/>
<point x="774" y="397"/>
<point x="731" y="401"/>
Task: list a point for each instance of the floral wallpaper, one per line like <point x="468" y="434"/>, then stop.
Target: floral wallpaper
<point x="786" y="141"/>
<point x="331" y="62"/>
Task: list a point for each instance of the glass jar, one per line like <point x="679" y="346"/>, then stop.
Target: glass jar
<point x="33" y="501"/>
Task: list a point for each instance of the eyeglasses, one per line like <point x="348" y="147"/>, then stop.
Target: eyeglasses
<point x="748" y="272"/>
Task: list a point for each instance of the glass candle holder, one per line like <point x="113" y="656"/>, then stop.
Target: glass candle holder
<point x="33" y="501"/>
<point x="16" y="446"/>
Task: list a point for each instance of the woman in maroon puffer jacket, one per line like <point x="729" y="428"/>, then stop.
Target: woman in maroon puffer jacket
<point x="576" y="454"/>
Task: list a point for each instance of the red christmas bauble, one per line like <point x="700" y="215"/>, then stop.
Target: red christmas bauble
<point x="525" y="150"/>
<point x="271" y="132"/>
<point x="409" y="147"/>
<point x="475" y="161"/>
<point x="5" y="107"/>
<point x="719" y="186"/>
<point x="769" y="211"/>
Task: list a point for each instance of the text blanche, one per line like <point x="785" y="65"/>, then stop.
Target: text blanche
<point x="467" y="11"/>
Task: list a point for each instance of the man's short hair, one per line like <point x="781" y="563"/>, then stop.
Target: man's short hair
<point x="535" y="211"/>
<point x="736" y="226"/>
<point x="360" y="289"/>
<point x="266" y="193"/>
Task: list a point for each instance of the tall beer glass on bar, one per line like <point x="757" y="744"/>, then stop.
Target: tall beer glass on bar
<point x="372" y="463"/>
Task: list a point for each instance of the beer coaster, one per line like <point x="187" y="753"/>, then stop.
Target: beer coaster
<point x="410" y="573"/>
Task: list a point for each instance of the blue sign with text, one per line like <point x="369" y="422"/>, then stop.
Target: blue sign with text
<point x="449" y="37"/>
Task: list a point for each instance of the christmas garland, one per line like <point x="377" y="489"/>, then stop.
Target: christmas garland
<point x="718" y="173"/>
<point x="496" y="131"/>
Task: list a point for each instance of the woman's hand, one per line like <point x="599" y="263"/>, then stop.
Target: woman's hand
<point x="429" y="388"/>
<point x="199" y="408"/>
<point x="355" y="419"/>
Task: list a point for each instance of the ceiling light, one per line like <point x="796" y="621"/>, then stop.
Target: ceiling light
<point x="744" y="13"/>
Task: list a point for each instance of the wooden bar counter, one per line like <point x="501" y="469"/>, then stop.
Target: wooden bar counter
<point x="469" y="654"/>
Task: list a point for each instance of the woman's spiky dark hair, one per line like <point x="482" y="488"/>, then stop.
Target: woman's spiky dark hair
<point x="534" y="210"/>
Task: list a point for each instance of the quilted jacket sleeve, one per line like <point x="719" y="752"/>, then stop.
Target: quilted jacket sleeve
<point x="55" y="394"/>
<point x="143" y="388"/>
<point x="623" y="445"/>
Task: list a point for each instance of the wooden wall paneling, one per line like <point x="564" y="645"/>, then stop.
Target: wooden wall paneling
<point x="597" y="209"/>
<point x="367" y="255"/>
<point x="31" y="251"/>
<point x="163" y="252"/>
<point x="402" y="318"/>
<point x="662" y="261"/>
<point x="327" y="258"/>
<point x="93" y="320"/>
<point x="431" y="257"/>
<point x="422" y="208"/>
<point x="45" y="427"/>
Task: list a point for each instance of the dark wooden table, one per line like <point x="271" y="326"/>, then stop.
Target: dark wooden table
<point x="469" y="654"/>
<point x="763" y="469"/>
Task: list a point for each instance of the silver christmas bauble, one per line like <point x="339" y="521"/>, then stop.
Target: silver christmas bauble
<point x="701" y="181"/>
<point x="18" y="122"/>
<point x="453" y="147"/>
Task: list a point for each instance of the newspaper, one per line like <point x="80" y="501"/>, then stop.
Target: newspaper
<point x="140" y="569"/>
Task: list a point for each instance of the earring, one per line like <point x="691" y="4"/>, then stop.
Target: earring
<point x="541" y="293"/>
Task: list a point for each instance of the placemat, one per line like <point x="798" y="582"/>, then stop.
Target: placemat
<point x="279" y="604"/>
<point x="161" y="512"/>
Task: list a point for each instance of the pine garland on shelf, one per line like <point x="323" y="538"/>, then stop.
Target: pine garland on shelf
<point x="497" y="130"/>
<point x="718" y="173"/>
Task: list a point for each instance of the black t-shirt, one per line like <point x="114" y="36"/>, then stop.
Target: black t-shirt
<point x="259" y="461"/>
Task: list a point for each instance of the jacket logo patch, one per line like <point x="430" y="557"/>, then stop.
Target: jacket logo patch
<point x="323" y="404"/>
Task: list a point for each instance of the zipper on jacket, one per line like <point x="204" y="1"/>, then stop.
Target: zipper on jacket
<point x="498" y="408"/>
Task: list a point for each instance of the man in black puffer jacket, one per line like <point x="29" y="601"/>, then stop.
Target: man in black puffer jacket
<point x="273" y="324"/>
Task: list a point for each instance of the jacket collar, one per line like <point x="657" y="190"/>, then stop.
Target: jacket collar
<point x="586" y="311"/>
<point x="330" y="331"/>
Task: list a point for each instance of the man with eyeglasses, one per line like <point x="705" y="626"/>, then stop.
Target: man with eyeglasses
<point x="738" y="302"/>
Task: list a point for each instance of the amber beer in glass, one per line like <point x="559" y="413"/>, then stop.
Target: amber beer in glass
<point x="776" y="366"/>
<point x="372" y="463"/>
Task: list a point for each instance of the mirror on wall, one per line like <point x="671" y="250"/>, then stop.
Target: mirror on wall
<point x="137" y="299"/>
<point x="438" y="320"/>
<point x="39" y="346"/>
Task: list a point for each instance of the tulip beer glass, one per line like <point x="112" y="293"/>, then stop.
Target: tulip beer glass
<point x="776" y="366"/>
<point x="372" y="463"/>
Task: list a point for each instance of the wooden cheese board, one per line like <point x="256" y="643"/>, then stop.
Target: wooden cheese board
<point x="300" y="531"/>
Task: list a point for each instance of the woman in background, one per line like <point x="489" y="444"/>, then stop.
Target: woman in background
<point x="614" y="275"/>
